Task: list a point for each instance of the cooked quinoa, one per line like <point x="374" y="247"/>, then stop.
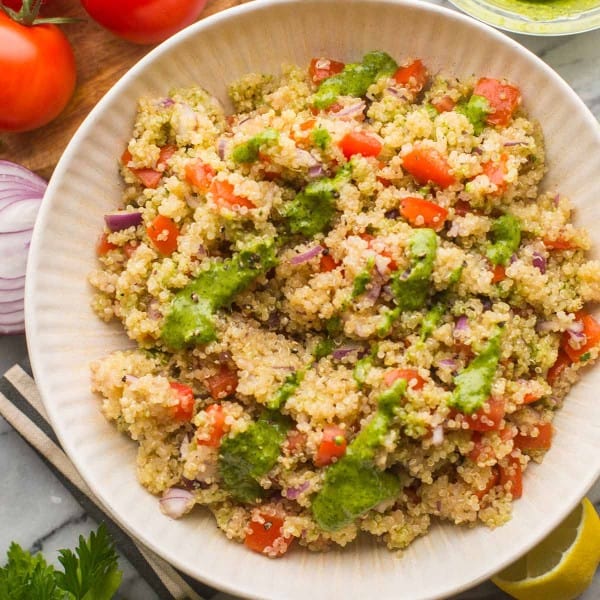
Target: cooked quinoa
<point x="355" y="307"/>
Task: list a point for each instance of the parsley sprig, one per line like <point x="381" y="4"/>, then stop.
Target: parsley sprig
<point x="90" y="573"/>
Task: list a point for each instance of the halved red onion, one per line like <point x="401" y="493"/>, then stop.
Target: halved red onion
<point x="21" y="193"/>
<point x="176" y="502"/>
<point x="122" y="219"/>
<point x="306" y="256"/>
<point x="539" y="262"/>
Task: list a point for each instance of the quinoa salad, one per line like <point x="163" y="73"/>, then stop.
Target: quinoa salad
<point x="354" y="306"/>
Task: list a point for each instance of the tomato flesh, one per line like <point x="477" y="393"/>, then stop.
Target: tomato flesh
<point x="428" y="165"/>
<point x="223" y="383"/>
<point x="591" y="330"/>
<point x="103" y="246"/>
<point x="327" y="263"/>
<point x="414" y="76"/>
<point x="144" y="21"/>
<point x="217" y="427"/>
<point x="323" y="68"/>
<point x="423" y="213"/>
<point x="542" y="441"/>
<point x="412" y="377"/>
<point x="498" y="273"/>
<point x="358" y="142"/>
<point x="559" y="244"/>
<point x="184" y="410"/>
<point x="223" y="195"/>
<point x="333" y="445"/>
<point x="164" y="234"/>
<point x="511" y="477"/>
<point x="496" y="173"/>
<point x="265" y="536"/>
<point x="490" y="420"/>
<point x="38" y="74"/>
<point x="555" y="371"/>
<point x="200" y="175"/>
<point x="503" y="99"/>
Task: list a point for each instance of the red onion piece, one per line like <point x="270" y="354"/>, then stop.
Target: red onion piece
<point x="21" y="193"/>
<point x="397" y="92"/>
<point x="122" y="219"/>
<point x="316" y="171"/>
<point x="293" y="493"/>
<point x="577" y="339"/>
<point x="477" y="151"/>
<point x="462" y="324"/>
<point x="176" y="502"/>
<point x="575" y="327"/>
<point x="556" y="199"/>
<point x="344" y="351"/>
<point x="510" y="144"/>
<point x="448" y="363"/>
<point x="539" y="262"/>
<point x="166" y="102"/>
<point x="306" y="158"/>
<point x="221" y="145"/>
<point x="306" y="256"/>
<point x="351" y="111"/>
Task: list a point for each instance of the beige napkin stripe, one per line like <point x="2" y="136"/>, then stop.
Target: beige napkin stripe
<point x="47" y="448"/>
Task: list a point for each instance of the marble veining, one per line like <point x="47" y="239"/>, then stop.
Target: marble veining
<point x="37" y="511"/>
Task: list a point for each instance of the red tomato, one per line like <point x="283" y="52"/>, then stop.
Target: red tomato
<point x="217" y="427"/>
<point x="423" y="213"/>
<point x="543" y="441"/>
<point x="413" y="379"/>
<point x="223" y="383"/>
<point x="223" y="195"/>
<point x="296" y="441"/>
<point x="414" y="76"/>
<point x="512" y="474"/>
<point x="443" y="104"/>
<point x="323" y="68"/>
<point x="481" y="451"/>
<point x="333" y="445"/>
<point x="327" y="263"/>
<point x="491" y="483"/>
<point x="38" y="74"/>
<point x="144" y="21"/>
<point x="560" y="244"/>
<point x="496" y="172"/>
<point x="503" y="99"/>
<point x="427" y="164"/>
<point x="358" y="142"/>
<point x="392" y="265"/>
<point x="482" y="420"/>
<point x="17" y="4"/>
<point x="265" y="536"/>
<point x="591" y="330"/>
<point x="164" y="233"/>
<point x="184" y="411"/>
<point x="200" y="175"/>
<point x="554" y="372"/>
<point x="166" y="153"/>
<point x="499" y="274"/>
<point x="103" y="246"/>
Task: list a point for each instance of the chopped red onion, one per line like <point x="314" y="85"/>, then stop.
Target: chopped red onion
<point x="166" y="102"/>
<point x="293" y="493"/>
<point x="351" y="111"/>
<point x="306" y="158"/>
<point x="21" y="193"/>
<point x="437" y="436"/>
<point x="153" y="311"/>
<point x="575" y="327"/>
<point x="176" y="502"/>
<point x="344" y="351"/>
<point x="306" y="256"/>
<point x="221" y="145"/>
<point x="576" y="339"/>
<point x="119" y="220"/>
<point x="398" y="93"/>
<point x="556" y="199"/>
<point x="448" y="363"/>
<point x="510" y="144"/>
<point x="477" y="151"/>
<point x="462" y="324"/>
<point x="539" y="262"/>
<point x="316" y="171"/>
<point x="513" y="259"/>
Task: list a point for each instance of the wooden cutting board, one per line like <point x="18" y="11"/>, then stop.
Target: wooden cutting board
<point x="101" y="60"/>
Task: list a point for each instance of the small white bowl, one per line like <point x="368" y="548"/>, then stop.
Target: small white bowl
<point x="64" y="335"/>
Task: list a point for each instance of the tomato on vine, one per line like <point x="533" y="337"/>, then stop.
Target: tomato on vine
<point x="37" y="67"/>
<point x="144" y="21"/>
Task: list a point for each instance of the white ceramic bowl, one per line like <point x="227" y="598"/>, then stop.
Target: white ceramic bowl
<point x="64" y="335"/>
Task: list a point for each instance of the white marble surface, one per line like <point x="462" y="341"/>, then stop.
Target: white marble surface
<point x="39" y="513"/>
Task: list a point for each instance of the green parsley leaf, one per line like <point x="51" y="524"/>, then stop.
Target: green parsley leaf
<point x="476" y="110"/>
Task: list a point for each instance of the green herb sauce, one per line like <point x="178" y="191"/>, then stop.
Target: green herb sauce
<point x="506" y="237"/>
<point x="286" y="390"/>
<point x="248" y="151"/>
<point x="476" y="110"/>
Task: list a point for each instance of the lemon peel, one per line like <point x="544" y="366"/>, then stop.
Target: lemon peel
<point x="562" y="565"/>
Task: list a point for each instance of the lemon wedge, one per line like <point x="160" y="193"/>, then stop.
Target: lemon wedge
<point x="562" y="565"/>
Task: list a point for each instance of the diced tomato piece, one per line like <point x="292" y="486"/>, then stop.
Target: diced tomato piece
<point x="224" y="195"/>
<point x="164" y="233"/>
<point x="443" y="104"/>
<point x="216" y="428"/>
<point x="413" y="76"/>
<point x="296" y="441"/>
<point x="126" y="157"/>
<point x="367" y="237"/>
<point x="491" y="483"/>
<point x="148" y="177"/>
<point x="530" y="398"/>
<point x="223" y="383"/>
<point x="413" y="379"/>
<point x="358" y="142"/>
<point x="129" y="248"/>
<point x="392" y="265"/>
<point x="166" y="153"/>
<point x="333" y="445"/>
<point x="327" y="263"/>
<point x="184" y="411"/>
<point x="496" y="173"/>
<point x="103" y="246"/>
<point x="542" y="441"/>
<point x="560" y="243"/>
<point x="323" y="68"/>
<point x="591" y="330"/>
<point x="487" y="421"/>
<point x="503" y="99"/>
<point x="427" y="164"/>
<point x="512" y="474"/>
<point x="554" y="372"/>
<point x="481" y="450"/>
<point x="423" y="213"/>
<point x="499" y="273"/>
<point x="307" y="125"/>
<point x="199" y="174"/>
<point x="265" y="535"/>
